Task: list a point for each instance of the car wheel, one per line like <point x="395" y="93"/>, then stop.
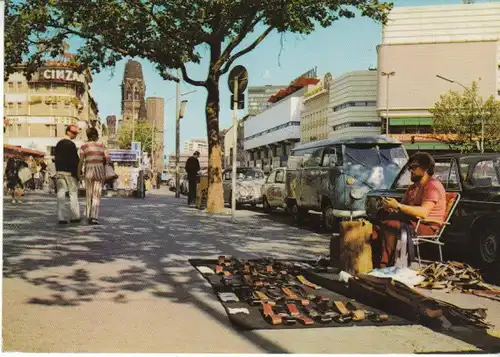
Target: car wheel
<point x="330" y="222"/>
<point x="267" y="206"/>
<point x="488" y="247"/>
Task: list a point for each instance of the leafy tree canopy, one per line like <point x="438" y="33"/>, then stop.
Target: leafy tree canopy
<point x="458" y="117"/>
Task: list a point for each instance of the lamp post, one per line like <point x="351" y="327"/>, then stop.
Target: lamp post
<point x="474" y="102"/>
<point x="388" y="75"/>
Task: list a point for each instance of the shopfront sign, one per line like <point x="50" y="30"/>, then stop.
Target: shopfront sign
<point x="122" y="156"/>
<point x="59" y="75"/>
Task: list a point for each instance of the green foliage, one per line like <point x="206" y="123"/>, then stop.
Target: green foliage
<point x="458" y="117"/>
<point x="142" y="134"/>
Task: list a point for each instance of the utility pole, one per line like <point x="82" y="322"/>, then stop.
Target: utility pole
<point x="235" y="141"/>
<point x="133" y="111"/>
<point x="388" y="75"/>
<point x="177" y="133"/>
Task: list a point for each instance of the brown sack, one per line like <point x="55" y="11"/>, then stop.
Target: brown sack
<point x="355" y="247"/>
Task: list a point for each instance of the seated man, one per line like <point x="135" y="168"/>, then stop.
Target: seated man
<point x="424" y="199"/>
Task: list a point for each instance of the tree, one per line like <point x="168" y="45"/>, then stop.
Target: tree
<point x="458" y="117"/>
<point x="142" y="134"/>
<point x="170" y="34"/>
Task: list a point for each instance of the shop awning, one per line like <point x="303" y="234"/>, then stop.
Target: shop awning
<point x="410" y="121"/>
<point x="427" y="146"/>
<point x="12" y="149"/>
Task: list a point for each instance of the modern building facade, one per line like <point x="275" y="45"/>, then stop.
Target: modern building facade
<point x="183" y="156"/>
<point x="193" y="145"/>
<point x="270" y="135"/>
<point x="459" y="42"/>
<point x="133" y="92"/>
<point x="258" y="97"/>
<point x="353" y="100"/>
<point x="38" y="110"/>
<point x="314" y="117"/>
<point x="155" y="113"/>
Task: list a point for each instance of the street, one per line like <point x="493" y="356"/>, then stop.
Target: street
<point x="126" y="286"/>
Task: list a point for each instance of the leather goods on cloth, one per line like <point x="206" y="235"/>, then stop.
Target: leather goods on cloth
<point x="452" y="275"/>
<point x="355" y="247"/>
<point x="284" y="297"/>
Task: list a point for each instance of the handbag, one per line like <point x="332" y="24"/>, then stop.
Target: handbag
<point x="109" y="173"/>
<point x="25" y="174"/>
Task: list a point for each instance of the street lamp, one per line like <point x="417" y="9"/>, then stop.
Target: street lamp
<point x="388" y="75"/>
<point x="474" y="102"/>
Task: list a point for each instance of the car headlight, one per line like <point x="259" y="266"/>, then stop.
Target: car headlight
<point x="358" y="193"/>
<point x="242" y="191"/>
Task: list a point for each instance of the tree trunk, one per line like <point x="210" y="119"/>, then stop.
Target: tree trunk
<point x="215" y="201"/>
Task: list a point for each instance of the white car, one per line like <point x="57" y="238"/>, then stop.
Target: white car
<point x="249" y="181"/>
<point x="274" y="191"/>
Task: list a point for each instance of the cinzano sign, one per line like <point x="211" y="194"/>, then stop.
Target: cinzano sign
<point x="60" y="74"/>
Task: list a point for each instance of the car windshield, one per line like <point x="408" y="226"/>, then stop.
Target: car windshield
<point x="375" y="155"/>
<point x="248" y="174"/>
<point x="482" y="173"/>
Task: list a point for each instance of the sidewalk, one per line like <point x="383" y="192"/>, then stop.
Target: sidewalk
<point x="127" y="286"/>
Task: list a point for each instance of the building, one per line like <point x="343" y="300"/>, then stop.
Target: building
<point x="270" y="135"/>
<point x="133" y="92"/>
<point x="314" y="116"/>
<point x="459" y="42"/>
<point x="241" y="157"/>
<point x="38" y="110"/>
<point x="258" y="97"/>
<point x="193" y="145"/>
<point x="112" y="125"/>
<point x="353" y="105"/>
<point x="155" y="113"/>
<point x="183" y="156"/>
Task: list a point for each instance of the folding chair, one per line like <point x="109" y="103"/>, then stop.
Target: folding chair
<point x="452" y="199"/>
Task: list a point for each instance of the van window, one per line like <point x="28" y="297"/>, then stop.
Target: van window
<point x="375" y="155"/>
<point x="315" y="159"/>
<point x="332" y="157"/>
<point x="270" y="178"/>
<point x="280" y="176"/>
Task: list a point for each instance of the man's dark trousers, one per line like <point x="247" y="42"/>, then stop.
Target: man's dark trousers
<point x="192" y="181"/>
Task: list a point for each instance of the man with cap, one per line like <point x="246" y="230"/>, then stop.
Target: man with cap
<point x="192" y="169"/>
<point x="66" y="162"/>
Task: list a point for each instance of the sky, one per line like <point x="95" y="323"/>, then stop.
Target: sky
<point x="347" y="45"/>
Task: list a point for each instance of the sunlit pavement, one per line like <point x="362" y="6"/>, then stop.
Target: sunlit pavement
<point x="127" y="286"/>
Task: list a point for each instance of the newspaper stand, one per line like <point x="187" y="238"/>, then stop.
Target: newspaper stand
<point x="127" y="168"/>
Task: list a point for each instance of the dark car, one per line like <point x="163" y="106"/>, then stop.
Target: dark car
<point x="475" y="224"/>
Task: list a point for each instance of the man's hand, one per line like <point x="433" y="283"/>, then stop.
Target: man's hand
<point x="390" y="203"/>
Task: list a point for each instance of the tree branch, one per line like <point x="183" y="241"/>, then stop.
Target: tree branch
<point x="189" y="80"/>
<point x="246" y="50"/>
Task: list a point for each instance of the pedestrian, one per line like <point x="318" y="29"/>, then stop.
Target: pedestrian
<point x="51" y="175"/>
<point x="192" y="168"/>
<point x="66" y="162"/>
<point x="14" y="183"/>
<point x="93" y="157"/>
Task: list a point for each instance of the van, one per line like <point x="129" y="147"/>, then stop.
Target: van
<point x="333" y="176"/>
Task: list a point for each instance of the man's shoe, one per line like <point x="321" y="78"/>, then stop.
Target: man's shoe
<point x="79" y="220"/>
<point x="93" y="221"/>
<point x="63" y="222"/>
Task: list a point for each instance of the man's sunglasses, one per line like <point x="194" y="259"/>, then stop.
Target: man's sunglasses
<point x="414" y="166"/>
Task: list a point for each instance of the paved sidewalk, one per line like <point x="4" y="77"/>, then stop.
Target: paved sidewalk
<point x="127" y="286"/>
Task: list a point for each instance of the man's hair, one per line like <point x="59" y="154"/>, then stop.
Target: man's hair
<point x="196" y="153"/>
<point x="92" y="134"/>
<point x="425" y="161"/>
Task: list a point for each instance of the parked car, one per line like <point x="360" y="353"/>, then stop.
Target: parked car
<point x="274" y="192"/>
<point x="475" y="224"/>
<point x="249" y="181"/>
<point x="183" y="184"/>
<point x="335" y="176"/>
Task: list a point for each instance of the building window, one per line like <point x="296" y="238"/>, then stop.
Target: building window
<point x="29" y="129"/>
<point x="11" y="85"/>
<point x="54" y="105"/>
<point x="11" y="107"/>
<point x="66" y="104"/>
<point x="19" y="107"/>
<point x="19" y="85"/>
<point x="18" y="130"/>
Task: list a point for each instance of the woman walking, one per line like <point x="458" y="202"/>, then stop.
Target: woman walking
<point x="93" y="156"/>
<point x="14" y="183"/>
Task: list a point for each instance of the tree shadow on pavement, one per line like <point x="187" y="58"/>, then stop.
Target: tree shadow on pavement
<point x="142" y="246"/>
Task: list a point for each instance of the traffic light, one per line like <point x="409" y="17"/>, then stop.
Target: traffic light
<point x="241" y="101"/>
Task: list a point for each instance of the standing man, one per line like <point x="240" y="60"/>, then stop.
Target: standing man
<point x="66" y="160"/>
<point x="192" y="168"/>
